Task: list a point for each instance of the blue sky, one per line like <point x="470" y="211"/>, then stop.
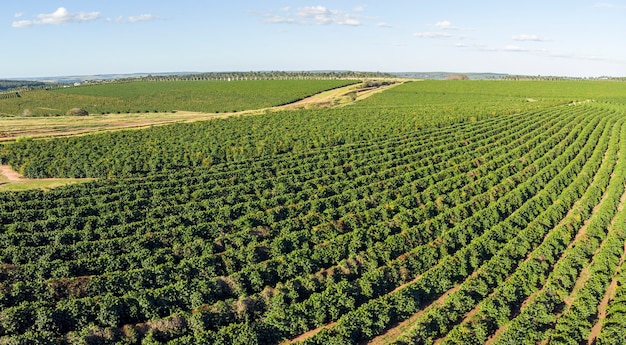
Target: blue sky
<point x="582" y="38"/>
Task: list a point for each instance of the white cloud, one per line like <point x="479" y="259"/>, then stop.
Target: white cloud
<point x="529" y="38"/>
<point x="445" y="25"/>
<point x="432" y="35"/>
<point x="484" y="48"/>
<point x="384" y="25"/>
<point x="142" y="18"/>
<point x="477" y="47"/>
<point x="319" y="15"/>
<point x="18" y="15"/>
<point x="511" y="48"/>
<point x="609" y="5"/>
<point x="22" y="23"/>
<point x="273" y="19"/>
<point x="514" y="48"/>
<point x="359" y="8"/>
<point x="348" y="20"/>
<point x="63" y="16"/>
<point x="314" y="11"/>
<point x="119" y="19"/>
<point x="585" y="58"/>
<point x="132" y="19"/>
<point x="60" y="16"/>
<point x="442" y="25"/>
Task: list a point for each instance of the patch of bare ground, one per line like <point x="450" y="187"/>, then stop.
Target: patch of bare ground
<point x="10" y="174"/>
<point x="337" y="97"/>
<point x="11" y="180"/>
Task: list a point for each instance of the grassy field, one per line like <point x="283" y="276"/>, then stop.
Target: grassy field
<point x="12" y="128"/>
<point x="42" y="184"/>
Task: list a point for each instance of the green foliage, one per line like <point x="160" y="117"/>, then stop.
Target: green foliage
<point x="166" y="96"/>
<point x="398" y="111"/>
<point x="466" y="226"/>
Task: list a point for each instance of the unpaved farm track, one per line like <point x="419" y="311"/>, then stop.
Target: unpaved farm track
<point x="11" y="180"/>
<point x="10" y="174"/>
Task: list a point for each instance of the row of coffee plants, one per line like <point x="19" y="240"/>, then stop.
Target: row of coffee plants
<point x="352" y="237"/>
<point x="20" y="233"/>
<point x="495" y="311"/>
<point x="122" y="305"/>
<point x="351" y="328"/>
<point x="538" y="316"/>
<point x="154" y="244"/>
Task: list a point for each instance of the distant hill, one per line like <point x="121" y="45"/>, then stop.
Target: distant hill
<point x="210" y="75"/>
<point x="98" y="77"/>
<point x="38" y="81"/>
<point x="107" y="77"/>
<point x="16" y="84"/>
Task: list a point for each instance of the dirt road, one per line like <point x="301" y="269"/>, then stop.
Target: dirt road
<point x="10" y="174"/>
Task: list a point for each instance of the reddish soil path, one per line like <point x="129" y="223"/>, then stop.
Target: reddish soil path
<point x="307" y="335"/>
<point x="602" y="307"/>
<point x="10" y="174"/>
<point x="610" y="291"/>
<point x="392" y="334"/>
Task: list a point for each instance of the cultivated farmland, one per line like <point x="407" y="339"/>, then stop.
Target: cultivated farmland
<point x="434" y="212"/>
<point x="165" y="96"/>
